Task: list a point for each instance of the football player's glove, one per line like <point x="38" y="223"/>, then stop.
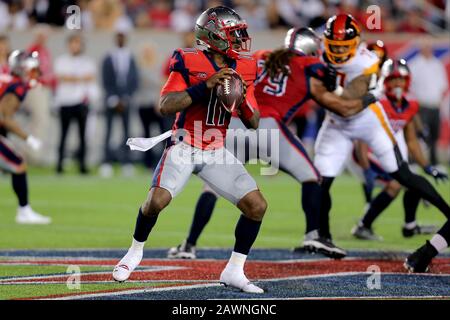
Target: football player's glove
<point x="330" y="81"/>
<point x="368" y="99"/>
<point x="435" y="173"/>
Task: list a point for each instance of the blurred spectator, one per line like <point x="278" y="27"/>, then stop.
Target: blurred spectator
<point x="5" y="49"/>
<point x="413" y="22"/>
<point x="289" y="11"/>
<point x="77" y="87"/>
<point x="37" y="101"/>
<point x="159" y="14"/>
<point x="13" y="16"/>
<point x="120" y="81"/>
<point x="254" y="13"/>
<point x="87" y="22"/>
<point x="183" y="18"/>
<point x="50" y="12"/>
<point x="110" y="15"/>
<point x="148" y="99"/>
<point x="429" y="84"/>
<point x="137" y="11"/>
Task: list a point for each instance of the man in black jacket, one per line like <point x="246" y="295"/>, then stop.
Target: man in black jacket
<point x="120" y="82"/>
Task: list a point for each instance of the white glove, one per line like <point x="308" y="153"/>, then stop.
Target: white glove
<point x="34" y="142"/>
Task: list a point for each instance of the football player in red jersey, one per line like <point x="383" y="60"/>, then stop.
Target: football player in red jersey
<point x="24" y="71"/>
<point x="400" y="109"/>
<point x="198" y="135"/>
<point x="287" y="78"/>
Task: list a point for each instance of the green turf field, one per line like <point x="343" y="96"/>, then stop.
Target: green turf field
<point x="90" y="212"/>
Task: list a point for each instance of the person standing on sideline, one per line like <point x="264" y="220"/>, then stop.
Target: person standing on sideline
<point x="76" y="89"/>
<point x="120" y="81"/>
<point x="429" y="84"/>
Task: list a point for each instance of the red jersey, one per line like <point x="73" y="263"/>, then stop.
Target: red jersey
<point x="14" y="85"/>
<point x="400" y="115"/>
<point x="281" y="97"/>
<point x="189" y="67"/>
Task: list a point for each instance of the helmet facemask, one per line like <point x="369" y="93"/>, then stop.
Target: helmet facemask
<point x="396" y="78"/>
<point x="396" y="87"/>
<point x="340" y="51"/>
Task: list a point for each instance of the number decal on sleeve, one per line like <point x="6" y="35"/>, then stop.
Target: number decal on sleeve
<point x="275" y="86"/>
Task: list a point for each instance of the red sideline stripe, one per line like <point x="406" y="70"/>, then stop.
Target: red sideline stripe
<point x="162" y="167"/>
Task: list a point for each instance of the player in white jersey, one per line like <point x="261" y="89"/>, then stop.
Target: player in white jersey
<point x="356" y="70"/>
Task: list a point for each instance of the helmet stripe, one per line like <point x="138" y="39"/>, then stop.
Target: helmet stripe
<point x="339" y="24"/>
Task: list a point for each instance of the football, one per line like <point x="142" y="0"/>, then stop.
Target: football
<point x="230" y="94"/>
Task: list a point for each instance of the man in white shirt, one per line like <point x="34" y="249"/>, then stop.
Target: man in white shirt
<point x="76" y="74"/>
<point x="429" y="85"/>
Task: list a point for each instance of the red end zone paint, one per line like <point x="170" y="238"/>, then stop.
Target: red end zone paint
<point x="209" y="270"/>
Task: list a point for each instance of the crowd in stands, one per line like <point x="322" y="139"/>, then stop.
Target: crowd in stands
<point x="414" y="16"/>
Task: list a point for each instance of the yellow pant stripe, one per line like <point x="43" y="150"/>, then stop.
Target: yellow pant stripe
<point x="376" y="109"/>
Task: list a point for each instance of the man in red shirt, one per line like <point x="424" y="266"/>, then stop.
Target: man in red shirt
<point x="199" y="131"/>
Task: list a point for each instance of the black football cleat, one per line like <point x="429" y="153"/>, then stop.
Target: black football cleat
<point x="364" y="233"/>
<point x="426" y="229"/>
<point x="182" y="251"/>
<point x="419" y="260"/>
<point x="324" y="246"/>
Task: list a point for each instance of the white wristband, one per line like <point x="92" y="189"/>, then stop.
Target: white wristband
<point x="338" y="91"/>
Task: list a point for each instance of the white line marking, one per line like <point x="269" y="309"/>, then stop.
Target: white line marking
<point x="134" y="291"/>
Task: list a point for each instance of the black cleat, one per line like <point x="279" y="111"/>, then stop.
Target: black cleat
<point x="182" y="251"/>
<point x="324" y="246"/>
<point x="427" y="229"/>
<point x="420" y="259"/>
<point x="364" y="233"/>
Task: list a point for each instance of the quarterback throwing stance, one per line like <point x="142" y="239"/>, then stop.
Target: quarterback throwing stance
<point x="24" y="70"/>
<point x="199" y="132"/>
<point x="287" y="78"/>
<point x="356" y="69"/>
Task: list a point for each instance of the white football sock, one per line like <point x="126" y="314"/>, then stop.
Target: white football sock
<point x="439" y="242"/>
<point x="237" y="260"/>
<point x="136" y="245"/>
<point x="27" y="207"/>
